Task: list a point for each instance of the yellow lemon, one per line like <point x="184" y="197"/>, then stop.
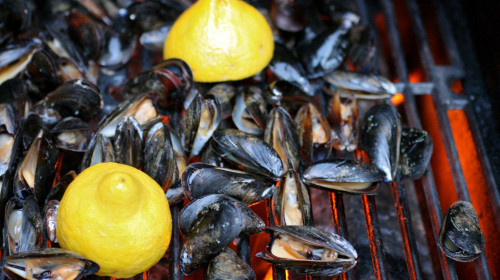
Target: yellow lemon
<point x="117" y="216"/>
<point x="221" y="40"/>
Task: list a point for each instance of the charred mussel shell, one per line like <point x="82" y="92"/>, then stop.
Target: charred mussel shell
<point x="255" y="155"/>
<point x="380" y="137"/>
<point x="415" y="152"/>
<point x="201" y="179"/>
<point x="227" y="265"/>
<point x="211" y="223"/>
<point x="344" y="175"/>
<point x="460" y="237"/>
<point x="291" y="202"/>
<point x="50" y="263"/>
<point x="316" y="244"/>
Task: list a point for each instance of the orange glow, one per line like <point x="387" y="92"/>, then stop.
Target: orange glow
<point x="269" y="274"/>
<point x="457" y="87"/>
<point x="476" y="184"/>
<point x="416" y="76"/>
<point x="397" y="99"/>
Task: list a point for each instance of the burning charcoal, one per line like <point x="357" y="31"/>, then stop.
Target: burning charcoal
<point x="460" y="237"/>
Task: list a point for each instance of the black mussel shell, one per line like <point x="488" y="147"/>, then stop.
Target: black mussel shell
<point x="363" y="49"/>
<point x="198" y="208"/>
<point x="159" y="156"/>
<point x="224" y="93"/>
<point x="242" y="116"/>
<point x="227" y="265"/>
<point x="343" y="260"/>
<point x="415" y="152"/>
<point x="253" y="154"/>
<point x="8" y="118"/>
<point x="286" y="66"/>
<point x="287" y="95"/>
<point x="180" y="69"/>
<point x="325" y="52"/>
<point x="198" y="124"/>
<point x="6" y="144"/>
<point x="52" y="263"/>
<point x="100" y="149"/>
<point x="15" y="16"/>
<point x="281" y="134"/>
<point x="85" y="32"/>
<point x="380" y="136"/>
<point x="70" y="133"/>
<point x="365" y="86"/>
<point x="344" y="175"/>
<point x="15" y="56"/>
<point x="128" y="143"/>
<point x="76" y="98"/>
<point x="201" y="179"/>
<point x="314" y="134"/>
<point x="118" y="44"/>
<point x="42" y="74"/>
<point x="288" y="15"/>
<point x="23" y="225"/>
<point x="460" y="237"/>
<point x="291" y="203"/>
<point x="211" y="223"/>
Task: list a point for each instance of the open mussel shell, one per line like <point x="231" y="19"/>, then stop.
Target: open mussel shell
<point x="281" y="134"/>
<point x="253" y="154"/>
<point x="70" y="134"/>
<point x="460" y="237"/>
<point x="250" y="111"/>
<point x="201" y="179"/>
<point x="365" y="86"/>
<point x="344" y="175"/>
<point x="287" y="95"/>
<point x="380" y="136"/>
<point x="100" y="149"/>
<point x="224" y="93"/>
<point x="308" y="250"/>
<point x="314" y="134"/>
<point x="15" y="56"/>
<point x="415" y="152"/>
<point x="198" y="124"/>
<point x="6" y="144"/>
<point x="23" y="224"/>
<point x="343" y="116"/>
<point x="291" y="202"/>
<point x="227" y="265"/>
<point x="211" y="223"/>
<point x="50" y="263"/>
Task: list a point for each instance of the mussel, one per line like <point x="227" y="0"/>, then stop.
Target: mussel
<point x="380" y="136"/>
<point x="363" y="86"/>
<point x="344" y="175"/>
<point x="460" y="237"/>
<point x="308" y="250"/>
<point x="255" y="155"/>
<point x="23" y="225"/>
<point x="291" y="203"/>
<point x="50" y="263"/>
<point x="227" y="265"/>
<point x="201" y="179"/>
<point x="416" y="152"/>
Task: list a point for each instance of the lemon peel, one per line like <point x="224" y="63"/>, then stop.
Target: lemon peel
<point x="221" y="40"/>
<point x="117" y="216"/>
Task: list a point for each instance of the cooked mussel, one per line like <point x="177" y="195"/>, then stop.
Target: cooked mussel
<point x="460" y="237"/>
<point x="128" y="142"/>
<point x="23" y="225"/>
<point x="344" y="175"/>
<point x="50" y="263"/>
<point x="314" y="134"/>
<point x="211" y="223"/>
<point x="201" y="179"/>
<point x="380" y="136"/>
<point x="343" y="116"/>
<point x="70" y="133"/>
<point x="281" y="134"/>
<point x="255" y="155"/>
<point x="415" y="152"/>
<point x="286" y="66"/>
<point x="291" y="202"/>
<point x="308" y="250"/>
<point x="250" y="112"/>
<point x="15" y="56"/>
<point x="363" y="86"/>
<point x="227" y="265"/>
<point x="198" y="124"/>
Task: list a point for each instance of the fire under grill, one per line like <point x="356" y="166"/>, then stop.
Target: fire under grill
<point x="396" y="231"/>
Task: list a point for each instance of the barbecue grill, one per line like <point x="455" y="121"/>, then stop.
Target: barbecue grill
<point x="396" y="232"/>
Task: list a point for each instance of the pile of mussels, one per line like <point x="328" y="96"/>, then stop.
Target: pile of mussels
<point x="73" y="95"/>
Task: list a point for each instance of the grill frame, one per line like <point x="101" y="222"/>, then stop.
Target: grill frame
<point x="463" y="65"/>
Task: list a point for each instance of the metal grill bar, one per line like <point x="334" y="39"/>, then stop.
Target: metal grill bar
<point x="439" y="96"/>
<point x="338" y="217"/>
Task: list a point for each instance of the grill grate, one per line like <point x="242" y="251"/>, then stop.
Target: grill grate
<point x="439" y="78"/>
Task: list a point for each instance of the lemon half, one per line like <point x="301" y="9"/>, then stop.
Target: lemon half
<point x="117" y="216"/>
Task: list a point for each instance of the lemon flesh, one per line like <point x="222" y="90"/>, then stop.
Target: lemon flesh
<point x="221" y="40"/>
<point x="117" y="216"/>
